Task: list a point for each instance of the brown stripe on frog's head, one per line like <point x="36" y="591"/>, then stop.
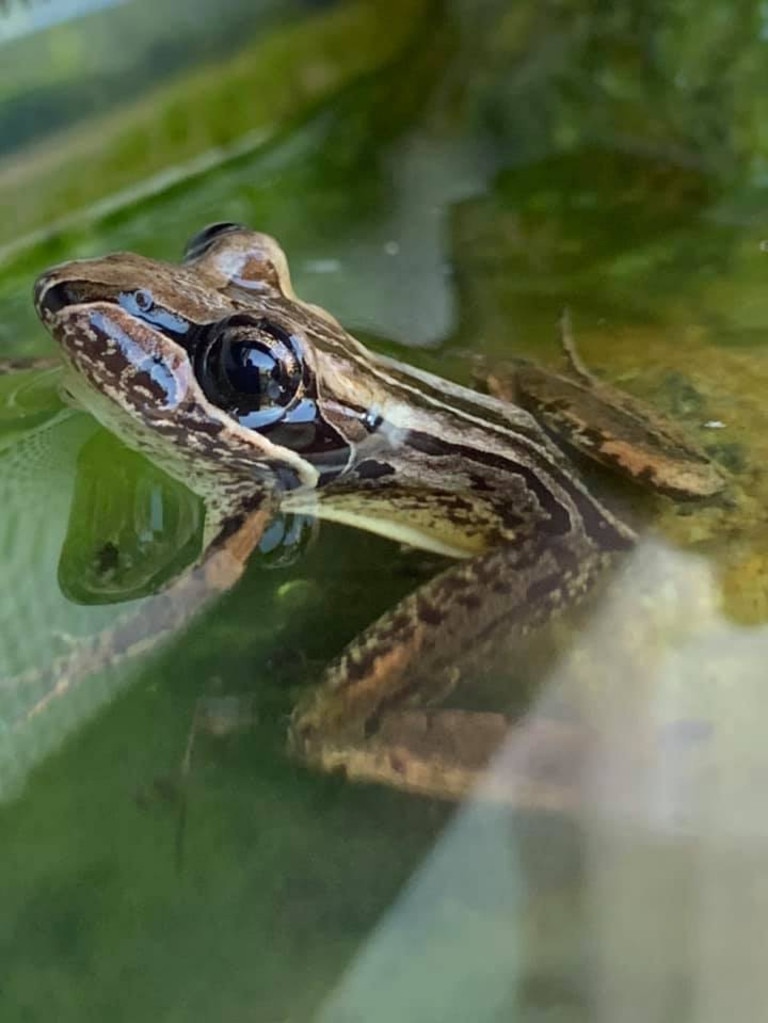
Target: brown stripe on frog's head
<point x="174" y="298"/>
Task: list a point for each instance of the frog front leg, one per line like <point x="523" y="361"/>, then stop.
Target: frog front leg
<point x="608" y="425"/>
<point x="358" y="720"/>
<point x="141" y="629"/>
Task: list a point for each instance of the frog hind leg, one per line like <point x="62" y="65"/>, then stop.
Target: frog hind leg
<point x="357" y="720"/>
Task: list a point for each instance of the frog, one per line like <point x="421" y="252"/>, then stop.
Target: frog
<point x="263" y="404"/>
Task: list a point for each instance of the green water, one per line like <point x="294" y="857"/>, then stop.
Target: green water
<point x="445" y="201"/>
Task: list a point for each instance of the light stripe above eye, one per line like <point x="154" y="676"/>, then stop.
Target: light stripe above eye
<point x="159" y="375"/>
<point x="156" y="315"/>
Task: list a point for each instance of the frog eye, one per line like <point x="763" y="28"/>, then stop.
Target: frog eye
<point x="251" y="368"/>
<point x="198" y="244"/>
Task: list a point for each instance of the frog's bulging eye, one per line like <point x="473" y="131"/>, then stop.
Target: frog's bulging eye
<point x="198" y="244"/>
<point x="251" y="368"/>
<point x="255" y="371"/>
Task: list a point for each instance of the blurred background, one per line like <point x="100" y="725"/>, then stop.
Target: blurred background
<point x="445" y="176"/>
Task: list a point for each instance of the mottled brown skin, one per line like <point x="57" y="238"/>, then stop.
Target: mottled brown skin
<point x="609" y="426"/>
<point x="404" y="453"/>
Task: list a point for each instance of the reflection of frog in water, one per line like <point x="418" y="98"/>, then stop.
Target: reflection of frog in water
<point x="260" y="402"/>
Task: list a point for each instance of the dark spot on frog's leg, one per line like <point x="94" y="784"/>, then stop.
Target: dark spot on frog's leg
<point x="399" y="621"/>
<point x="357" y="664"/>
<point x="251" y="502"/>
<point x="586" y="437"/>
<point x="512" y="520"/>
<point x="428" y="613"/>
<point x="231" y="526"/>
<point x="370" y="469"/>
<point x="480" y="483"/>
<point x="545" y="590"/>
<point x="472" y="601"/>
<point x="645" y="475"/>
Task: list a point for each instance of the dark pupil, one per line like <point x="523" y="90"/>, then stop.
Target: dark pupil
<point x="250" y="367"/>
<point x="252" y="370"/>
